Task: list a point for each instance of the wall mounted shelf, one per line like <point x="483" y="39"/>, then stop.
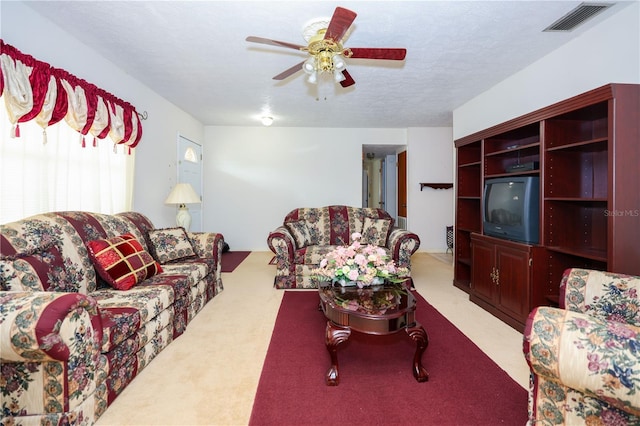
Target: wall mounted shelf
<point x="436" y="185"/>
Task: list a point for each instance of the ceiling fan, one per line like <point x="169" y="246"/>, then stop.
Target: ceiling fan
<point x="326" y="53"/>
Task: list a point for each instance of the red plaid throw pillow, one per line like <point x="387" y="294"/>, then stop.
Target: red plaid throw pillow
<point x="122" y="262"/>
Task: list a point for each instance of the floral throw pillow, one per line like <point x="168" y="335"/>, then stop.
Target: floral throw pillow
<point x="41" y="269"/>
<point x="121" y="261"/>
<point x="300" y="232"/>
<point x="170" y="244"/>
<point x="375" y="231"/>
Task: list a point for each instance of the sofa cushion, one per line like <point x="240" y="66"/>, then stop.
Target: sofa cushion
<point x="194" y="269"/>
<point x="170" y="244"/>
<point x="39" y="269"/>
<point x="124" y="314"/>
<point x="300" y="232"/>
<point x="121" y="261"/>
<point x="375" y="231"/>
<point x="312" y="255"/>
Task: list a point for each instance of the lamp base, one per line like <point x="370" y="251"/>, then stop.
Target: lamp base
<point x="183" y="218"/>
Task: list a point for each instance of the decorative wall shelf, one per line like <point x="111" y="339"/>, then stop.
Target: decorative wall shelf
<point x="436" y="185"/>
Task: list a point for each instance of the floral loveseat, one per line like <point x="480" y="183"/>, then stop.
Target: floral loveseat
<point x="308" y="234"/>
<point x="84" y="307"/>
<point x="585" y="356"/>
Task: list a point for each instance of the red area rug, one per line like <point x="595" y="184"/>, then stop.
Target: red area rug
<point x="377" y="387"/>
<point x="231" y="259"/>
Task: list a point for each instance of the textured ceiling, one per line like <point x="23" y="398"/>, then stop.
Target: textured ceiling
<point x="194" y="54"/>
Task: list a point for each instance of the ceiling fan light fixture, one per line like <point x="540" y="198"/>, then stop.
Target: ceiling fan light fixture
<point x="324" y="46"/>
<point x="324" y="61"/>
<point x="309" y="66"/>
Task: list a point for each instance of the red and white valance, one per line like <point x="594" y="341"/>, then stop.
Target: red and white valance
<point x="34" y="90"/>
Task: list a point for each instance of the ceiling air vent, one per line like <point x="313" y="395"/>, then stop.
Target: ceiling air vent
<point x="577" y="16"/>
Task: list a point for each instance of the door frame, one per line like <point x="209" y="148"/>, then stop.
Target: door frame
<point x="197" y="222"/>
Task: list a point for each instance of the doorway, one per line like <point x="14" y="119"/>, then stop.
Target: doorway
<point x="380" y="178"/>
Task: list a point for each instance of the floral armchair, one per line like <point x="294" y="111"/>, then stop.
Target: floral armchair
<point x="308" y="234"/>
<point x="585" y="356"/>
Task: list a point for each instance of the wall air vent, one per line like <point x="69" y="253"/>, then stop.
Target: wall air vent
<point x="577" y="16"/>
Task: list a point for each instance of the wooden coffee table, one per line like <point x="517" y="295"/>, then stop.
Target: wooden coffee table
<point x="379" y="310"/>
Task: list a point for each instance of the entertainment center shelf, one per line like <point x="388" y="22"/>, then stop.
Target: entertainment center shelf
<point x="586" y="153"/>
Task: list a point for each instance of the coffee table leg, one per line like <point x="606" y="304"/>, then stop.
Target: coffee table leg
<point x="335" y="335"/>
<point x="417" y="333"/>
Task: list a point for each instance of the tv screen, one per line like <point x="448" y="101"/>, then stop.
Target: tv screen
<point x="511" y="208"/>
<point x="505" y="203"/>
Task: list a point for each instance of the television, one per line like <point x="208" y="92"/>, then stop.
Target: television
<point x="511" y="208"/>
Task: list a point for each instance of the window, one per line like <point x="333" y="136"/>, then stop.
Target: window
<point x="38" y="177"/>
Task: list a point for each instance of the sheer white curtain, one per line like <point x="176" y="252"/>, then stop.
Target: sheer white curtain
<point x="61" y="174"/>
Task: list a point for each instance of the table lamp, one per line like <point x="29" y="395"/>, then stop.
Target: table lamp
<point x="183" y="194"/>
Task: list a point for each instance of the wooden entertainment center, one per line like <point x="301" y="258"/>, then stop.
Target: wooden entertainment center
<point x="586" y="152"/>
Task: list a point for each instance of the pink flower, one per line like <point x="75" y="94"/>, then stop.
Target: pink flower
<point x="581" y="323"/>
<point x="595" y="364"/>
<point x="353" y="275"/>
<point x="619" y="329"/>
<point x="358" y="262"/>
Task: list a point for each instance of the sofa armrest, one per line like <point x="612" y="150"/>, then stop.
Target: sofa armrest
<point x="603" y="294"/>
<point x="282" y="243"/>
<point x="594" y="356"/>
<point x="207" y="244"/>
<point x="402" y="244"/>
<point x="50" y="353"/>
<point x="42" y="326"/>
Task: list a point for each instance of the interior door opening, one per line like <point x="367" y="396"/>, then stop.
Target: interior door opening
<point x="380" y="179"/>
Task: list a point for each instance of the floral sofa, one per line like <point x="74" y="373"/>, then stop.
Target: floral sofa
<point x="308" y="234"/>
<point x="585" y="356"/>
<point x="87" y="301"/>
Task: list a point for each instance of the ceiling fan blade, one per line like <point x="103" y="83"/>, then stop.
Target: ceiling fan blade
<point x="348" y="80"/>
<point x="261" y="40"/>
<point x="378" y="53"/>
<point x="340" y="22"/>
<point x="284" y="74"/>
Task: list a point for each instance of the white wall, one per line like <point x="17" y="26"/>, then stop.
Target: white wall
<point x="607" y="53"/>
<point x="430" y="211"/>
<point x="255" y="176"/>
<point x="155" y="171"/>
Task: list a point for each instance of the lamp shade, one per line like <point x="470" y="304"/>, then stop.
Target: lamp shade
<point x="183" y="193"/>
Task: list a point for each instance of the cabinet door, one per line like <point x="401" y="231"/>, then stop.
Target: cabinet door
<point x="513" y="288"/>
<point x="483" y="270"/>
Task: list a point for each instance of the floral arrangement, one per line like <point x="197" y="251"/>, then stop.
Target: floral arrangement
<point x="359" y="263"/>
<point x="367" y="300"/>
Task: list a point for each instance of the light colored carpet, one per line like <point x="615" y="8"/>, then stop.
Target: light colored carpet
<point x="209" y="375"/>
<point x="443" y="257"/>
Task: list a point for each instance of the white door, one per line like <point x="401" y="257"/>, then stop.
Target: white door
<point x="190" y="171"/>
